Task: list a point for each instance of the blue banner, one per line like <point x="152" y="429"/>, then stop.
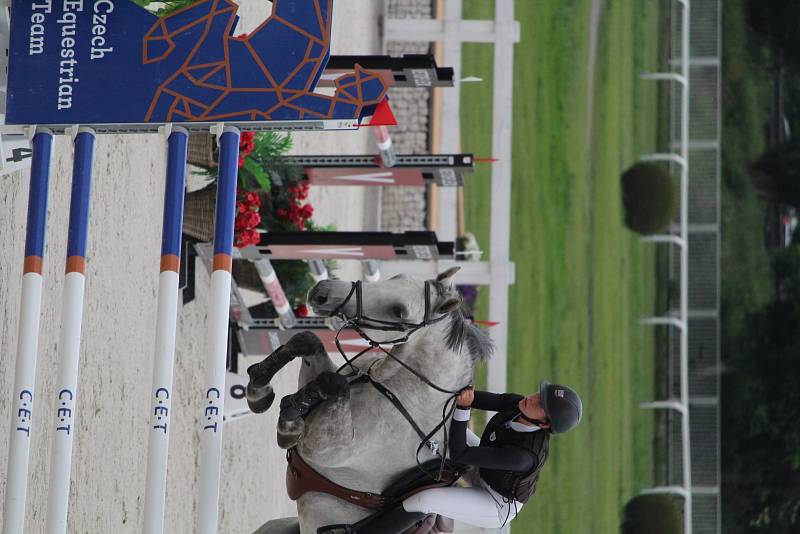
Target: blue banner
<point x="111" y="61"/>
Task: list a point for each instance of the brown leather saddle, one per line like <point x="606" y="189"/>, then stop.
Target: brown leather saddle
<point x="301" y="478"/>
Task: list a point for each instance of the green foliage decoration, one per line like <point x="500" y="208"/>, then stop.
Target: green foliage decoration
<point x="267" y="159"/>
<point x="651" y="514"/>
<point x="162" y="8"/>
<point x="650" y="198"/>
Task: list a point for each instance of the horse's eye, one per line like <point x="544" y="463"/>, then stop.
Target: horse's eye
<point x="399" y="311"/>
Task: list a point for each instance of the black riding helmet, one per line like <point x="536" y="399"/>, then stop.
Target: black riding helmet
<point x="562" y="405"/>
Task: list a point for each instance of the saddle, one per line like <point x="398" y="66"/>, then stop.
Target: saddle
<point x="301" y="478"/>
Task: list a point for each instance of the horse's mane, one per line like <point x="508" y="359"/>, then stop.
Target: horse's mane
<point x="479" y="344"/>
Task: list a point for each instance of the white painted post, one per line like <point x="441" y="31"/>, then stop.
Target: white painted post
<point x="69" y="345"/>
<point x="28" y="339"/>
<point x="166" y="326"/>
<point x="682" y="160"/>
<point x="214" y="391"/>
<point x="500" y="230"/>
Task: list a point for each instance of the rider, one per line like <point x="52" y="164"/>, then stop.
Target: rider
<point x="510" y="456"/>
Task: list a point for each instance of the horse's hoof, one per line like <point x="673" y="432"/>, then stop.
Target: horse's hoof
<point x="289" y="432"/>
<point x="305" y="343"/>
<point x="259" y="398"/>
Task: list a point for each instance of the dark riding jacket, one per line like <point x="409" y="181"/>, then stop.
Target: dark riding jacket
<point x="509" y="461"/>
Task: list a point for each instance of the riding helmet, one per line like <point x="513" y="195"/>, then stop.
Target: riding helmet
<point x="562" y="405"/>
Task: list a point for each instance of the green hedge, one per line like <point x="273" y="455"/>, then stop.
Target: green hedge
<point x="650" y="198"/>
<point x="651" y="514"/>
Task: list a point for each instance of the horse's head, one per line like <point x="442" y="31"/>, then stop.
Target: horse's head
<point x="389" y="309"/>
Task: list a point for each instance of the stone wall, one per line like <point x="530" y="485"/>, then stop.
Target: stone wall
<point x="404" y="208"/>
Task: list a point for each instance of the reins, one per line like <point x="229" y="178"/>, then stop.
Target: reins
<point x="360" y="322"/>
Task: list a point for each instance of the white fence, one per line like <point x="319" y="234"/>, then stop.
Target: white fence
<point x="693" y="448"/>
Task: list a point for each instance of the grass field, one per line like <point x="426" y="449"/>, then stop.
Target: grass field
<point x="582" y="279"/>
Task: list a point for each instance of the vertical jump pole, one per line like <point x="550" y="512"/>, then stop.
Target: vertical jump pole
<point x="214" y="391"/>
<point x="69" y="344"/>
<point x="28" y="340"/>
<point x="166" y="325"/>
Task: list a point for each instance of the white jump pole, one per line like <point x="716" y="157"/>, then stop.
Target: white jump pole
<point x="28" y="339"/>
<point x="166" y="326"/>
<point x="69" y="345"/>
<point x="214" y="391"/>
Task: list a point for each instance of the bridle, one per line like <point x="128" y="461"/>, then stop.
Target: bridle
<point x="361" y="321"/>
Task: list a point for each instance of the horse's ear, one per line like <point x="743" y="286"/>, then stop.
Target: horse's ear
<point x="449" y="304"/>
<point x="446" y="278"/>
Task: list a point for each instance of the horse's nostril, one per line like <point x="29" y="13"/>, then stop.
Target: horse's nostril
<point x="320" y="299"/>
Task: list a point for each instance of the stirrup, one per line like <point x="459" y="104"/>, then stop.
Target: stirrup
<point x="337" y="529"/>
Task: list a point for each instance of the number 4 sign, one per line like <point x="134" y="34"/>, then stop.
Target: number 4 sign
<point x="16" y="152"/>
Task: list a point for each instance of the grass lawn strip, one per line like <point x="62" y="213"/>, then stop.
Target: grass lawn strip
<point x="582" y="280"/>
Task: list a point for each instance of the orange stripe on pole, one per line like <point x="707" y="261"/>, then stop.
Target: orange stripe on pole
<point x="33" y="264"/>
<point x="170" y="262"/>
<point x="223" y="262"/>
<point x="76" y="264"/>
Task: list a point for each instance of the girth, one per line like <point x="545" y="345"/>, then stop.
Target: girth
<point x="301" y="478"/>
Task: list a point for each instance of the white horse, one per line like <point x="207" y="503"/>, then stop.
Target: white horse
<point x="355" y="436"/>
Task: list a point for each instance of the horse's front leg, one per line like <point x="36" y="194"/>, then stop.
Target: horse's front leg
<point x="306" y="345"/>
<point x="327" y="386"/>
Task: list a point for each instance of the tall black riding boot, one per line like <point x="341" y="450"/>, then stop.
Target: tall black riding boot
<point x="295" y="407"/>
<point x="393" y="521"/>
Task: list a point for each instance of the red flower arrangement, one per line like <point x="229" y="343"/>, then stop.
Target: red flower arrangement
<point x="247" y="144"/>
<point x="297" y="214"/>
<point x="247" y="220"/>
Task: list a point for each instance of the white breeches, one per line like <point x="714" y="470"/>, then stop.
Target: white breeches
<point x="480" y="506"/>
<point x="476" y="506"/>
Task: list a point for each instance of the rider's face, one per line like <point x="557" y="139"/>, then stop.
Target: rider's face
<point x="531" y="406"/>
